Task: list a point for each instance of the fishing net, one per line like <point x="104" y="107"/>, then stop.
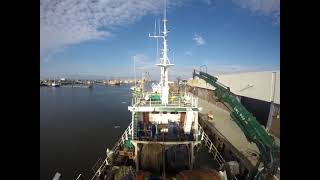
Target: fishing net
<point x="151" y="157"/>
<point x="123" y="172"/>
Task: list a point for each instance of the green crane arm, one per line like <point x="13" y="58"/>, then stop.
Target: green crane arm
<point x="254" y="132"/>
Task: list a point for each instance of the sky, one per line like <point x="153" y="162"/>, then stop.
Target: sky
<point x="99" y="39"/>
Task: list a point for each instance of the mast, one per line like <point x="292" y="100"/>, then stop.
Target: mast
<point x="164" y="60"/>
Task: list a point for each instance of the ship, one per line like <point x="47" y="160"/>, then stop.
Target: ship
<point x="114" y="82"/>
<point x="164" y="133"/>
<point x="55" y="84"/>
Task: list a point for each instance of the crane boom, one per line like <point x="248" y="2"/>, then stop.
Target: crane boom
<point x="254" y="132"/>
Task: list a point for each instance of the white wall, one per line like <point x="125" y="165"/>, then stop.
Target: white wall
<point x="277" y="88"/>
<point x="163" y="118"/>
<point x="191" y="117"/>
<point x="200" y="83"/>
<point x="256" y="85"/>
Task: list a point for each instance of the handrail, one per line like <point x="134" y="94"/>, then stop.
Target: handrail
<point x="212" y="148"/>
<point x="203" y="66"/>
<point x="78" y="178"/>
<point x="179" y="103"/>
<point x="217" y="156"/>
<point x="95" y="167"/>
<point x="175" y="99"/>
<point x="123" y="137"/>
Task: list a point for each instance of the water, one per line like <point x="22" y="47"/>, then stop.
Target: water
<point x="77" y="125"/>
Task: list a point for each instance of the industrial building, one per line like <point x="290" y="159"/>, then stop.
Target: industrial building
<point x="259" y="92"/>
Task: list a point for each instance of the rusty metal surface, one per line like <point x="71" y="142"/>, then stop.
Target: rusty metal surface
<point x="198" y="175"/>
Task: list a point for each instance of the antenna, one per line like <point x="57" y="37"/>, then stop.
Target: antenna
<point x="156" y="36"/>
<point x="164" y="59"/>
<point x="155" y="32"/>
<point x="155" y="27"/>
<point x="134" y="70"/>
<point x="165" y="10"/>
<point x="159" y="26"/>
<point x="157" y="55"/>
<point x="158" y="40"/>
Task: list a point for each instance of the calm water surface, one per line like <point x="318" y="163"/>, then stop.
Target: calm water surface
<point x="77" y="125"/>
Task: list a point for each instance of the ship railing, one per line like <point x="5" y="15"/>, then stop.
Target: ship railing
<point x="203" y="137"/>
<point x="108" y="160"/>
<point x="79" y="177"/>
<point x="175" y="99"/>
<point x="125" y="136"/>
<point x="277" y="176"/>
<point x="175" y="103"/>
<point x="97" y="165"/>
<point x="212" y="148"/>
<point x="171" y="94"/>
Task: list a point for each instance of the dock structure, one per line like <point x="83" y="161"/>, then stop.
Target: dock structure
<point x="261" y="88"/>
<point x="227" y="135"/>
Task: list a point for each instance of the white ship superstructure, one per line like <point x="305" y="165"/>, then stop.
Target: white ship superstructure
<point x="162" y="116"/>
<point x="160" y="141"/>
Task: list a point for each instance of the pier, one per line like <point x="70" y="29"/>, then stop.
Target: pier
<point x="226" y="135"/>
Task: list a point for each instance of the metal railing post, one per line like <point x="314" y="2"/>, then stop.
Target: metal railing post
<point x="215" y="154"/>
<point x="126" y="132"/>
<point x="79" y="176"/>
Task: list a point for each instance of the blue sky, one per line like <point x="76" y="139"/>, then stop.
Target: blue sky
<point x="99" y="39"/>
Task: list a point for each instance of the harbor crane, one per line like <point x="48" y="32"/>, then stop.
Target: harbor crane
<point x="254" y="132"/>
<point x="145" y="78"/>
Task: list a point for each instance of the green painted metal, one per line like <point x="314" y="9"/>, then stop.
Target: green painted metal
<point x="155" y="97"/>
<point x="135" y="125"/>
<point x="127" y="144"/>
<point x="269" y="152"/>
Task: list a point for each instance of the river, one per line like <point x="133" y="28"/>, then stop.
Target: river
<point x="77" y="125"/>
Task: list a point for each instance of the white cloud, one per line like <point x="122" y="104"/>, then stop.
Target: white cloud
<point x="265" y="7"/>
<point x="188" y="53"/>
<point x="199" y="39"/>
<point x="68" y="22"/>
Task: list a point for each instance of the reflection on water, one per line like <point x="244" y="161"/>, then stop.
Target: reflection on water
<point x="77" y="125"/>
